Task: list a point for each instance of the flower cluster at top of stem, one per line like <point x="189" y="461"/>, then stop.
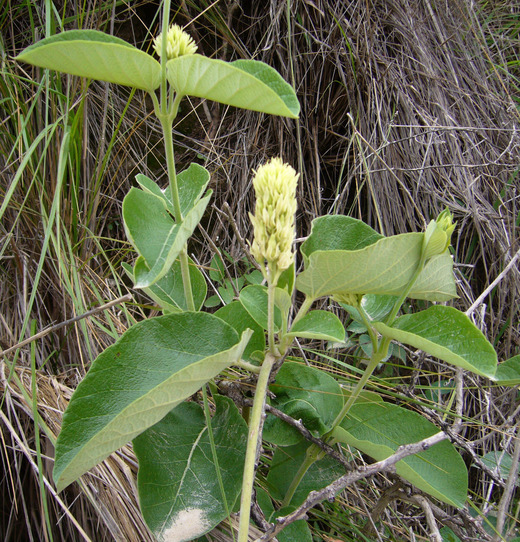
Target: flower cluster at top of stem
<point x="178" y="43"/>
<point x="437" y="237"/>
<point x="275" y="188"/>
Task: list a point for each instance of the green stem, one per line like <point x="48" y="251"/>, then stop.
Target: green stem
<point x="391" y="317"/>
<point x="304" y="309"/>
<point x="312" y="455"/>
<point x="375" y="360"/>
<point x="164" y="59"/>
<point x="314" y="452"/>
<point x="270" y="314"/>
<point x="207" y="415"/>
<point x="379" y="352"/>
<point x="252" y="446"/>
<point x="167" y="127"/>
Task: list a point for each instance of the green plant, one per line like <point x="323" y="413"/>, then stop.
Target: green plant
<point x="137" y="389"/>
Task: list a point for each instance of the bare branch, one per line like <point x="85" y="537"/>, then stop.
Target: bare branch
<point x="329" y="492"/>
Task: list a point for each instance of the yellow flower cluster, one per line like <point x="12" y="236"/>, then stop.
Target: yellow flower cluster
<point x="275" y="188"/>
<point x="178" y="43"/>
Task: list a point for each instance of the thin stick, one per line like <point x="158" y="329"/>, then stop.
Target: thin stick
<point x="329" y="492"/>
<point x="46" y="331"/>
<point x="485" y="293"/>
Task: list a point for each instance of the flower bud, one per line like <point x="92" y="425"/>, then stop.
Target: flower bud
<point x="273" y="222"/>
<point x="437" y="237"/>
<point x="178" y="43"/>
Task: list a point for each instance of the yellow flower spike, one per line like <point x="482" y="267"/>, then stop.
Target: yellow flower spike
<point x="437" y="237"/>
<point x="273" y="222"/>
<point x="179" y="43"/>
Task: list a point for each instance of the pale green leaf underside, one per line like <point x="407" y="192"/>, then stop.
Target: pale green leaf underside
<point x="321" y="325"/>
<point x="238" y="318"/>
<point x="154" y="366"/>
<point x="248" y="84"/>
<point x="508" y="372"/>
<point x="93" y="54"/>
<point x="384" y="267"/>
<point x="168" y="291"/>
<point x="379" y="428"/>
<point x="448" y="334"/>
<point x="191" y="184"/>
<point x="179" y="491"/>
<point x="153" y="232"/>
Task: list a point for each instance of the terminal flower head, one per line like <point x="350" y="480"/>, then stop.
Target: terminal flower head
<point x="178" y="43"/>
<point x="273" y="222"/>
<point x="437" y="237"/>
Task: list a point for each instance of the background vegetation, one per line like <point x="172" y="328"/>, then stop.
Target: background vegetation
<point x="407" y="107"/>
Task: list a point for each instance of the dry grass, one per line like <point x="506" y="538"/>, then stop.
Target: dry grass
<point x="407" y="107"/>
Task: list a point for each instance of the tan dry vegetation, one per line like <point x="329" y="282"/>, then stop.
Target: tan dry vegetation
<point x="406" y="109"/>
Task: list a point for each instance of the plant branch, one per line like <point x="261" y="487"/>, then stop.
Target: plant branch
<point x="329" y="492"/>
<point x="510" y="487"/>
<point x="253" y="441"/>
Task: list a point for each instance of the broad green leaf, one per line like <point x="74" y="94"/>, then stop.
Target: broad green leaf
<point x="449" y="536"/>
<point x="321" y="325"/>
<point x="501" y="462"/>
<point x="508" y="372"/>
<point x="153" y="367"/>
<point x="153" y="232"/>
<point x="168" y="292"/>
<point x="179" y="492"/>
<point x="254" y="300"/>
<point x="239" y="319"/>
<point x="338" y="232"/>
<point x="446" y="333"/>
<point x="287" y="279"/>
<point x="379" y="428"/>
<point x="294" y="532"/>
<point x="248" y="84"/>
<point x="93" y="54"/>
<point x="283" y="301"/>
<point x="191" y="184"/>
<point x="306" y="394"/>
<point x="376" y="307"/>
<point x="384" y="267"/>
<point x="284" y="466"/>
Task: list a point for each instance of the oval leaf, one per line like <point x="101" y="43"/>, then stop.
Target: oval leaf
<point x="376" y="307"/>
<point x="285" y="465"/>
<point x="254" y="300"/>
<point x="248" y="84"/>
<point x="508" y="372"/>
<point x="384" y="267"/>
<point x="298" y="531"/>
<point x="93" y="54"/>
<point x="306" y="394"/>
<point x="153" y="232"/>
<point x="379" y="428"/>
<point x="338" y="232"/>
<point x="154" y="366"/>
<point x="321" y="325"/>
<point x="447" y="334"/>
<point x="168" y="292"/>
<point x="179" y="492"/>
<point x="238" y="318"/>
